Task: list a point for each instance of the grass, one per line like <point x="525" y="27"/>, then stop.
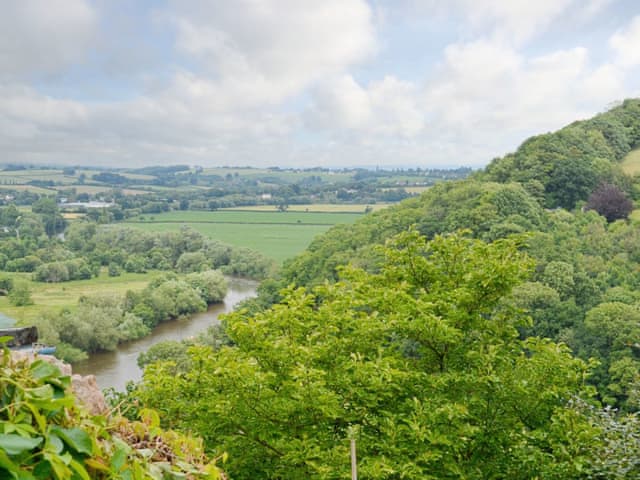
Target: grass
<point x="631" y="163"/>
<point x="251" y="217"/>
<point x="314" y="208"/>
<point x="417" y="190"/>
<point x="277" y="235"/>
<point x="275" y="241"/>
<point x="55" y="296"/>
<point x="28" y="188"/>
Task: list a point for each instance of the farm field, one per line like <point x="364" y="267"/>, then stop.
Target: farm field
<point x="631" y="163"/>
<point x="250" y="217"/>
<point x="279" y="175"/>
<point x="96" y="189"/>
<point x="276" y="241"/>
<point x="55" y="296"/>
<point x="417" y="190"/>
<point x="314" y="208"/>
<point x="28" y="188"/>
<point x="277" y="235"/>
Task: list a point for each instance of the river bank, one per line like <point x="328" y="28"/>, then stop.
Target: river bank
<point x="115" y="369"/>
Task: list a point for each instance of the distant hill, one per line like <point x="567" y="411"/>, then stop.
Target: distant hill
<point x="564" y="167"/>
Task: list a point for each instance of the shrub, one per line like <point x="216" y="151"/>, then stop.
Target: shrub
<point x="20" y="294"/>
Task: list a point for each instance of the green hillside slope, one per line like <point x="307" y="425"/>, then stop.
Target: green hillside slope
<point x="565" y="166"/>
<point x="631" y="163"/>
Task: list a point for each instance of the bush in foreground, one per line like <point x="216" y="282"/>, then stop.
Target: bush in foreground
<point x="45" y="435"/>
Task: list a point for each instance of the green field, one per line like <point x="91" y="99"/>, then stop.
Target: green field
<point x="28" y="188"/>
<point x="315" y="208"/>
<point x="631" y="163"/>
<point x="277" y="235"/>
<point x="279" y="176"/>
<point x="54" y="296"/>
<point x="252" y="217"/>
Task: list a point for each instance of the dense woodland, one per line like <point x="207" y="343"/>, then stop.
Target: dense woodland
<point x="485" y="329"/>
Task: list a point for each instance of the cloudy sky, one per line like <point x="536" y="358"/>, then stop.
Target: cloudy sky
<point x="429" y="83"/>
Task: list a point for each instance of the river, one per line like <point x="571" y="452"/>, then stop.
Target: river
<point x="115" y="369"/>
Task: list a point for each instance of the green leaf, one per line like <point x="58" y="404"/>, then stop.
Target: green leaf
<point x="43" y="470"/>
<point x="24" y="475"/>
<point x="41" y="370"/>
<point x="80" y="470"/>
<point x="15" y="444"/>
<point x="76" y="438"/>
<point x="6" y="463"/>
<point x="118" y="460"/>
<point x="43" y="392"/>
<point x="55" y="443"/>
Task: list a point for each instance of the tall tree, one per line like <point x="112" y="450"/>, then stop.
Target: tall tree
<point x="421" y="362"/>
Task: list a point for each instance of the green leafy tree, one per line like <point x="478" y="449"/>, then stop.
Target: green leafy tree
<point x="211" y="285"/>
<point x="421" y="360"/>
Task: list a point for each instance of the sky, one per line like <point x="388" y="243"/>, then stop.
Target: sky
<point x="304" y="83"/>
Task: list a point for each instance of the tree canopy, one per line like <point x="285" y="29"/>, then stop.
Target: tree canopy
<point x="420" y="361"/>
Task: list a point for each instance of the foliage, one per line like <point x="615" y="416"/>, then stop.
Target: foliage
<point x="615" y="453"/>
<point x="74" y="269"/>
<point x="171" y="350"/>
<point x="20" y="294"/>
<point x="45" y="435"/>
<point x="571" y="162"/>
<point x="418" y="359"/>
<point x="211" y="285"/>
<point x="610" y="202"/>
<point x="101" y="321"/>
<point x="582" y="260"/>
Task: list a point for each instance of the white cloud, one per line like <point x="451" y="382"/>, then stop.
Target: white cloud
<point x="387" y="107"/>
<point x="515" y="19"/>
<point x="293" y="82"/>
<point x="264" y="51"/>
<point x="626" y="44"/>
<point x="44" y="36"/>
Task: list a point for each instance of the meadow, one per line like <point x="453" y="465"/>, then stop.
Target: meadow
<point x="315" y="208"/>
<point x="55" y="296"/>
<point x="277" y="235"/>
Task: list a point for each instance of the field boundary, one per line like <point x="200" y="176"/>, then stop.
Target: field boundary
<point x="228" y="222"/>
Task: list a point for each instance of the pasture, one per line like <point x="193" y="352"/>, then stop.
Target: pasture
<point x="277" y="176"/>
<point x="277" y="235"/>
<point x="55" y="296"/>
<point x="315" y="208"/>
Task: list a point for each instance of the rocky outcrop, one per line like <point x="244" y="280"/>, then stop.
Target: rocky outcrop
<point x="84" y="388"/>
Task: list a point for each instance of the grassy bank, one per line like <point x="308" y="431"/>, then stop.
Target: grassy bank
<point x="55" y="296"/>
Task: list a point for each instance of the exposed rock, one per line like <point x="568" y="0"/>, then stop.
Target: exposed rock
<point x="87" y="391"/>
<point x="84" y="388"/>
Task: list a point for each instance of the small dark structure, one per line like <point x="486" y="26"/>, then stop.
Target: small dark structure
<point x="22" y="336"/>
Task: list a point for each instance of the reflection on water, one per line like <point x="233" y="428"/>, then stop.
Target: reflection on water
<point x="115" y="369"/>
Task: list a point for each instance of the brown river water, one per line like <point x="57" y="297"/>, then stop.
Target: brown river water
<point x="115" y="369"/>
